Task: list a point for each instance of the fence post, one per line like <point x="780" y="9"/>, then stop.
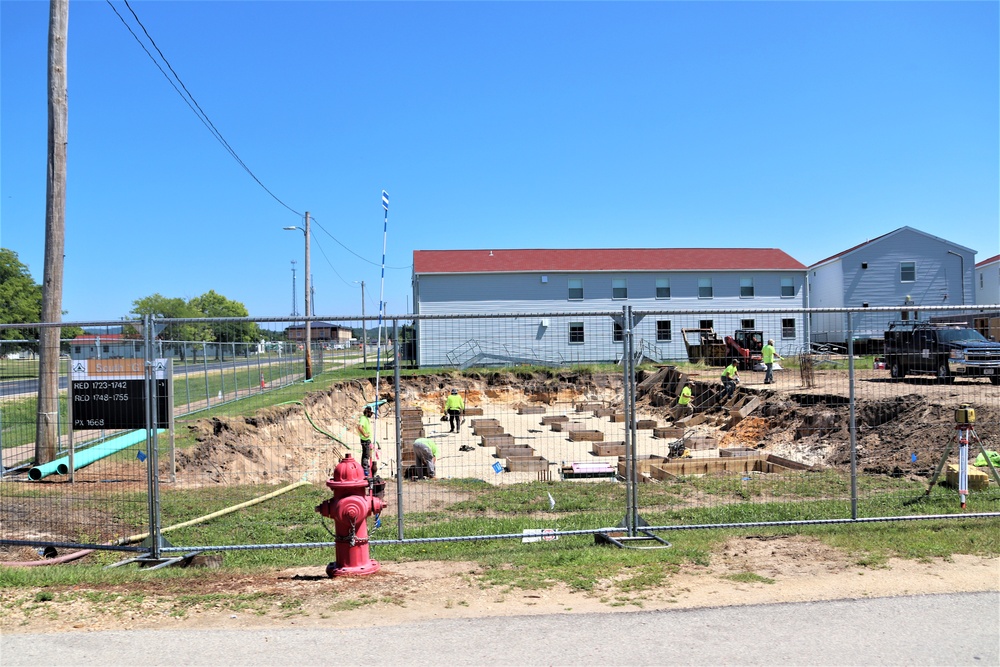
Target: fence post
<point x="399" y="433"/>
<point x="152" y="446"/>
<point x="629" y="408"/>
<point x="852" y="422"/>
<point x="204" y="363"/>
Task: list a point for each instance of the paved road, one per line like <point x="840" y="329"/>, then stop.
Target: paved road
<point x="957" y="629"/>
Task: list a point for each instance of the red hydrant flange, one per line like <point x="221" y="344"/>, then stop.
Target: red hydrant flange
<point x="350" y="507"/>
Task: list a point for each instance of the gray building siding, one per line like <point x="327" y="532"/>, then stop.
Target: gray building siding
<point x="874" y="275"/>
<point x="451" y="342"/>
<point x="988" y="284"/>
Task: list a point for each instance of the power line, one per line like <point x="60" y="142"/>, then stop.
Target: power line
<point x="352" y="252"/>
<point x="192" y="104"/>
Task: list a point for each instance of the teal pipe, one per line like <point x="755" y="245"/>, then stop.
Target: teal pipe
<point x="87" y="456"/>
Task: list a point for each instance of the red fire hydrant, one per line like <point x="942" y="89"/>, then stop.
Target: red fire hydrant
<point x="350" y="507"/>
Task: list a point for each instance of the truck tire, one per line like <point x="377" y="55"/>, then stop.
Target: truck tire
<point x="995" y="379"/>
<point x="897" y="371"/>
<point x="943" y="375"/>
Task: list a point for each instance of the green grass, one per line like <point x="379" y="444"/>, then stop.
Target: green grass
<point x="572" y="560"/>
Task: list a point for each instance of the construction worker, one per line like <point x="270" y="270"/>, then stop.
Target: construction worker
<point x="684" y="400"/>
<point x="730" y="377"/>
<point x="364" y="429"/>
<point x="426" y="451"/>
<point x="768" y="355"/>
<point x="454" y="407"/>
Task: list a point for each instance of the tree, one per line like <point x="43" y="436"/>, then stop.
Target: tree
<point x="212" y="304"/>
<point x="158" y="305"/>
<point x="20" y="296"/>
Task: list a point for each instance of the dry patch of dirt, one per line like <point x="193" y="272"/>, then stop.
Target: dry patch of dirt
<point x="750" y="570"/>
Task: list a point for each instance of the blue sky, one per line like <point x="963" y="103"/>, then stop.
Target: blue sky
<point x="804" y="126"/>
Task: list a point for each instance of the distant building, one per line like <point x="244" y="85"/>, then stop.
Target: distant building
<point x="595" y="280"/>
<point x="906" y="268"/>
<point x="321" y="332"/>
<point x="105" y="346"/>
<point x="988" y="281"/>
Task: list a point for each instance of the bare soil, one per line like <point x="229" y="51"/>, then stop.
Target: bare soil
<point x="750" y="570"/>
<point x="903" y="427"/>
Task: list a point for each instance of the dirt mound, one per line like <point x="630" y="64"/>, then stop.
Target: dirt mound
<point x="899" y="435"/>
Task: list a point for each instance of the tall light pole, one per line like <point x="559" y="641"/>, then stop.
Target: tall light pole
<point x="364" y="333"/>
<point x="308" y="346"/>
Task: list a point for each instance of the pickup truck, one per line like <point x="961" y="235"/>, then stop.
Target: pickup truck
<point x="946" y="351"/>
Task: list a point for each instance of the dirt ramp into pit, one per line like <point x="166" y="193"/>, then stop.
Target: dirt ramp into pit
<point x="283" y="443"/>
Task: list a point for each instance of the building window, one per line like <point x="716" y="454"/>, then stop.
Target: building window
<point x="576" y="332"/>
<point x="704" y="288"/>
<point x="104" y="348"/>
<point x="619" y="288"/>
<point x="576" y="289"/>
<point x="907" y="272"/>
<point x="617" y="334"/>
<point x="747" y="324"/>
<point x="663" y="334"/>
<point x="746" y="288"/>
<point x="788" y="328"/>
<point x="77" y="349"/>
<point x="663" y="288"/>
<point x="787" y="288"/>
<point x="706" y="324"/>
<point x="980" y="280"/>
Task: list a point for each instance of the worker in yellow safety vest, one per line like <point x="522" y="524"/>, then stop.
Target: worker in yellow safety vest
<point x="730" y="377"/>
<point x="364" y="428"/>
<point x="454" y="406"/>
<point x="768" y="355"/>
<point x="684" y="400"/>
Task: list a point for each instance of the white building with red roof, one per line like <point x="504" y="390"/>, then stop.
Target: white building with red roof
<point x="657" y="281"/>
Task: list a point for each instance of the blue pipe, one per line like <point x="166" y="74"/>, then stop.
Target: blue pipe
<point x="89" y="455"/>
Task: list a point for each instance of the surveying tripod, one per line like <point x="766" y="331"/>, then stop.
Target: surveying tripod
<point x="964" y="433"/>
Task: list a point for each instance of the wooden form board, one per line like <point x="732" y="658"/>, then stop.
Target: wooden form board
<point x="760" y="462"/>
<point x="565" y="427"/>
<point x="488" y="430"/>
<point x="473" y="412"/>
<point x="552" y="419"/>
<point x="484" y="422"/>
<point x="608" y="448"/>
<point x="643" y="464"/>
<point x="697" y="442"/>
<point x="586" y="435"/>
<point x="496" y="440"/>
<point x="505" y="451"/>
<point x="526" y="464"/>
<point x="531" y="409"/>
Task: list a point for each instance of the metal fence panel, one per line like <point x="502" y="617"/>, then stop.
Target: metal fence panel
<point x="552" y="403"/>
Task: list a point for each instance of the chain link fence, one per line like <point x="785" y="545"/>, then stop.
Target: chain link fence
<point x="554" y="422"/>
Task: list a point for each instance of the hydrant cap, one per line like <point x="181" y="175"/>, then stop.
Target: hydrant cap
<point x="348" y="475"/>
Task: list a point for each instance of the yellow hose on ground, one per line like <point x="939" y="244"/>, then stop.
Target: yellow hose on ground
<point x="142" y="536"/>
<point x="213" y="515"/>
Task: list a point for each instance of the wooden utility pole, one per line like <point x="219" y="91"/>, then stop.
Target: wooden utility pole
<point x="47" y="424"/>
